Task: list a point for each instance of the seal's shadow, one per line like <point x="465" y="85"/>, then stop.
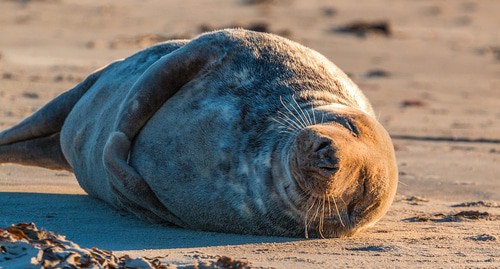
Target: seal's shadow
<point x="91" y="223"/>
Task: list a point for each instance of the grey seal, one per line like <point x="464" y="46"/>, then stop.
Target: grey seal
<point x="232" y="131"/>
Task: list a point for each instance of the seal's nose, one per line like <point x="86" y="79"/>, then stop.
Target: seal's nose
<point x="316" y="160"/>
<point x="325" y="157"/>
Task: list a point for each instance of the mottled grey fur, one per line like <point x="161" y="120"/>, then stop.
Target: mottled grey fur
<point x="193" y="133"/>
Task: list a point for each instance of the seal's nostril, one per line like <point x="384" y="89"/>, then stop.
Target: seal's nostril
<point x="324" y="156"/>
<point x="322" y="146"/>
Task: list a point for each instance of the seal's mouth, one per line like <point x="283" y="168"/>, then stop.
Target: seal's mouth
<point x="325" y="217"/>
<point x="343" y="215"/>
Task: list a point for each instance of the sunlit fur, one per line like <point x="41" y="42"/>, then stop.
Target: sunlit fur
<point x="321" y="203"/>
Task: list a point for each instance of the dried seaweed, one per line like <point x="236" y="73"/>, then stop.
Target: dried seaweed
<point x="456" y="217"/>
<point x="23" y="245"/>
<point x="24" y="242"/>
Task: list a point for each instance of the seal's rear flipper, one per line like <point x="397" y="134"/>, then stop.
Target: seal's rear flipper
<point x="43" y="151"/>
<point x="158" y="83"/>
<point x="35" y="140"/>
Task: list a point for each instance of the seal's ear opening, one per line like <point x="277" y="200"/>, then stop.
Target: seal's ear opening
<point x="158" y="83"/>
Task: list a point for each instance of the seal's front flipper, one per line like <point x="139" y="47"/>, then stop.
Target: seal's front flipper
<point x="159" y="82"/>
<point x="130" y="189"/>
<point x="35" y="140"/>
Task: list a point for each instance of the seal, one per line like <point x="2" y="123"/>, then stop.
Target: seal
<point x="232" y="131"/>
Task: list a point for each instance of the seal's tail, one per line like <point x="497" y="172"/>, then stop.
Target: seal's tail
<point x="35" y="140"/>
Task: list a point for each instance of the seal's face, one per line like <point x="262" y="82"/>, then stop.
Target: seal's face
<point x="345" y="172"/>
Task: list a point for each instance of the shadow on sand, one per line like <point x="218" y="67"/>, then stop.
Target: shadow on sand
<point x="91" y="223"/>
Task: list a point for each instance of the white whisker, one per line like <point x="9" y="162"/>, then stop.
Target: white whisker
<point x="314" y="114"/>
<point x="301" y="111"/>
<point x="286" y="124"/>
<point x="329" y="206"/>
<point x="338" y="212"/>
<point x="341" y="199"/>
<point x="287" y="132"/>
<point x="290" y="121"/>
<point x="322" y="219"/>
<point x="295" y="116"/>
<point x="306" y="232"/>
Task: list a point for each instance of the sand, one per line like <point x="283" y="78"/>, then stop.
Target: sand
<point x="431" y="69"/>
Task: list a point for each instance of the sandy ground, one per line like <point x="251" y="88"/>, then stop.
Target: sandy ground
<point x="433" y="77"/>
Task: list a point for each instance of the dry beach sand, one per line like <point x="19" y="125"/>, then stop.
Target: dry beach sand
<point x="431" y="69"/>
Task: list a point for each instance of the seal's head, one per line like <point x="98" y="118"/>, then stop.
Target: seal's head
<point x="345" y="172"/>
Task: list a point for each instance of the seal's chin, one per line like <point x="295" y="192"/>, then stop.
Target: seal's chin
<point x="347" y="179"/>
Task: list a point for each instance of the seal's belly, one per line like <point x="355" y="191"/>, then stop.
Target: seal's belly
<point x="190" y="153"/>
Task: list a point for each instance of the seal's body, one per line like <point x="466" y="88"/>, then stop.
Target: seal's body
<point x="234" y="131"/>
